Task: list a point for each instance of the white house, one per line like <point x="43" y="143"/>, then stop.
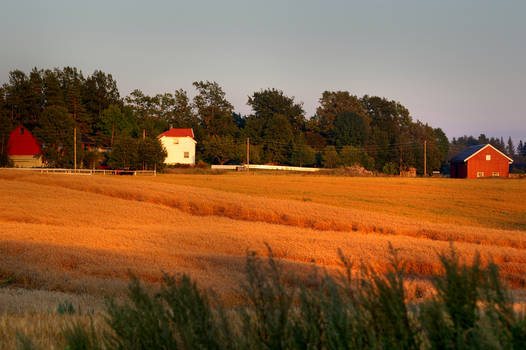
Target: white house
<point x="180" y="146"/>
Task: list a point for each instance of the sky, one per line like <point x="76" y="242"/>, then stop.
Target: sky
<point x="458" y="65"/>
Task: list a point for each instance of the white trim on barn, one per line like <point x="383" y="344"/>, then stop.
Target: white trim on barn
<point x="483" y="148"/>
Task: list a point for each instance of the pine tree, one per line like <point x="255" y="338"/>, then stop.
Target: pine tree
<point x="511" y="148"/>
<point x="53" y="94"/>
<point x="521" y="148"/>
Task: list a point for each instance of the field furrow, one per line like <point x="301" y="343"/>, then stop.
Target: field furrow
<point x="207" y="202"/>
<point x="85" y="234"/>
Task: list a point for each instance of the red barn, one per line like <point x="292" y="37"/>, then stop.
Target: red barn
<point x="23" y="148"/>
<point x="480" y="161"/>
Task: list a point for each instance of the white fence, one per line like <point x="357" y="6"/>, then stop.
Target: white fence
<point x="264" y="167"/>
<point x="87" y="171"/>
<point x="154" y="173"/>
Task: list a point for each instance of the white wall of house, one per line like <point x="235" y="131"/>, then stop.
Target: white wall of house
<point x="181" y="150"/>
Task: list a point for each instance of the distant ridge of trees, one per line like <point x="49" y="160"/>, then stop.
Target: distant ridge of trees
<point x="369" y="131"/>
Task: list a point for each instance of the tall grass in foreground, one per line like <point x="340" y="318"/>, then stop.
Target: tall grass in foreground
<point x="358" y="310"/>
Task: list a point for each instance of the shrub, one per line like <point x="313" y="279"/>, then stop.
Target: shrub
<point x="65" y="307"/>
<point x="266" y="322"/>
<point x="25" y="343"/>
<point x="472" y="309"/>
<point x="77" y="337"/>
<point x="141" y="323"/>
<point x="201" y="164"/>
<point x="390" y="169"/>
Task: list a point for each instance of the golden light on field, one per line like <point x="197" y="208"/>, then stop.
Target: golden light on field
<point x="76" y="238"/>
<point x="83" y="234"/>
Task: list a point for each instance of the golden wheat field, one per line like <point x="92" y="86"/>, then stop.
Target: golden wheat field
<point x="77" y="237"/>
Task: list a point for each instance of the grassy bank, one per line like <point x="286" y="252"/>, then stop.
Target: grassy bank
<point x="470" y="309"/>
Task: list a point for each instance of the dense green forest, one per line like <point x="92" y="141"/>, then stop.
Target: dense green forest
<point x="370" y="131"/>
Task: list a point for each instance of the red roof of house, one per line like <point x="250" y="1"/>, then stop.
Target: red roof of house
<point x="22" y="143"/>
<point x="178" y="133"/>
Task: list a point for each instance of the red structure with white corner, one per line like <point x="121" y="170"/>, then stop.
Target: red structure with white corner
<point x="480" y="161"/>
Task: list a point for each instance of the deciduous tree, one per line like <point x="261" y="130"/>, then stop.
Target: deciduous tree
<point x="124" y="153"/>
<point x="330" y="158"/>
<point x="114" y="123"/>
<point x="150" y="154"/>
<point x="332" y="104"/>
<point x="350" y="128"/>
<point x="214" y="110"/>
<point x="183" y="114"/>
<point x="55" y="133"/>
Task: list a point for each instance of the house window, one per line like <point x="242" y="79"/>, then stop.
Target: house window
<point x="480" y="174"/>
<point x="187" y="154"/>
<point x="176" y="141"/>
<point x="495" y="173"/>
<point x="488" y="156"/>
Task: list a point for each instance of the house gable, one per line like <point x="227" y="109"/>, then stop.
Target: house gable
<point x="485" y="147"/>
<point x="22" y="143"/>
<point x="179" y="145"/>
<point x="480" y="161"/>
<point x="178" y="133"/>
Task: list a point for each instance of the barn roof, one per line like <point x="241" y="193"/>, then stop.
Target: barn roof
<point x="178" y="133"/>
<point x="22" y="143"/>
<point x="471" y="151"/>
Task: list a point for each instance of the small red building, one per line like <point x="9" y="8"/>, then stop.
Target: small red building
<point x="23" y="148"/>
<point x="480" y="161"/>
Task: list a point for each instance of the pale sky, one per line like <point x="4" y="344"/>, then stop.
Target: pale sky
<point x="459" y="65"/>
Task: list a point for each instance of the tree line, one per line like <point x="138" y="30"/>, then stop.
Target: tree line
<point x="370" y="131"/>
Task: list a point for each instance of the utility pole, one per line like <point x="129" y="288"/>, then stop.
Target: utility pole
<point x="143" y="137"/>
<point x="75" y="136"/>
<point x="400" y="162"/>
<point x="75" y="147"/>
<point x="425" y="158"/>
<point x="248" y="154"/>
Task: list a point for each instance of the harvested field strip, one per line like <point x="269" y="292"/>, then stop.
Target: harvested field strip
<point x="19" y="301"/>
<point x="80" y="264"/>
<point x="206" y="202"/>
<point x="83" y="235"/>
<point x="44" y="328"/>
<point x="490" y="203"/>
<point x="99" y="272"/>
<point x="77" y="238"/>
